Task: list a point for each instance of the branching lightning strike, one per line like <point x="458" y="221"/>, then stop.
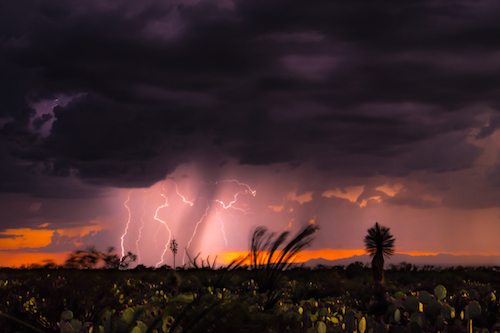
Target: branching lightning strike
<point x="215" y="204"/>
<point x="139" y="235"/>
<point x="193" y="235"/>
<point x="129" y="218"/>
<point x="157" y="218"/>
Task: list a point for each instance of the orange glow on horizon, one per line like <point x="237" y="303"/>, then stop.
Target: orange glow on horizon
<point x="18" y="259"/>
<point x="336" y="254"/>
<point x="306" y="255"/>
<point x="419" y="253"/>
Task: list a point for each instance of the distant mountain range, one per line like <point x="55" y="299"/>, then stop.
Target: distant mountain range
<point x="437" y="260"/>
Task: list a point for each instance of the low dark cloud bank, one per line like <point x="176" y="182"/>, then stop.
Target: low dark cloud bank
<point x="357" y="88"/>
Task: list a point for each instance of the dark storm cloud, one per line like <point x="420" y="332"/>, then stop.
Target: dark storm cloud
<point x="356" y="88"/>
<point x="9" y="236"/>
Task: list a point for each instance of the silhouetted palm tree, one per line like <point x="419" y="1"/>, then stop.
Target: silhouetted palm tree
<point x="379" y="243"/>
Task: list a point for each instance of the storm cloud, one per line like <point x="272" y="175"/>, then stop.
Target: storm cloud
<point x="353" y="88"/>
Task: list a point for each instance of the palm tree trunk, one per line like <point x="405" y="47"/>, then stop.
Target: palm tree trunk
<point x="380" y="303"/>
<point x="378" y="268"/>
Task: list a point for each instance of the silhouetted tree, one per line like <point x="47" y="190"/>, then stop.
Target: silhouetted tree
<point x="91" y="258"/>
<point x="113" y="261"/>
<point x="83" y="259"/>
<point x="173" y="248"/>
<point x="379" y="243"/>
<point x="49" y="264"/>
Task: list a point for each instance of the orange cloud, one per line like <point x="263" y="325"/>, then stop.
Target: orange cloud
<point x="300" y="198"/>
<point x="312" y="221"/>
<point x="29" y="238"/>
<point x="80" y="231"/>
<point x="376" y="198"/>
<point x="12" y="239"/>
<point x="390" y="190"/>
<point x="276" y="208"/>
<point x="350" y="193"/>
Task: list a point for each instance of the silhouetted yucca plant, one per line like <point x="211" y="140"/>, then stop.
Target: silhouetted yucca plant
<point x="379" y="243"/>
<point x="269" y="256"/>
<point x="211" y="275"/>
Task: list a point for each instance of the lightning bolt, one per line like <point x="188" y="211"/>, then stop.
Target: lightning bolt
<point x="139" y="236"/>
<point x="129" y="218"/>
<point x="226" y="206"/>
<point x="222" y="208"/>
<point x="231" y="204"/>
<point x="157" y="218"/>
<point x="186" y="201"/>
<point x="222" y="228"/>
<point x="194" y="233"/>
<point x="247" y="187"/>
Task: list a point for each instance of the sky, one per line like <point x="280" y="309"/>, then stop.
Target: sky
<point x="131" y="123"/>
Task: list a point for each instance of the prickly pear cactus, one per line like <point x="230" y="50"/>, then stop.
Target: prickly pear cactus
<point x="67" y="315"/>
<point x="397" y="315"/>
<point x="440" y="292"/>
<point x="362" y="325"/>
<point x="473" y="310"/>
<point x="98" y="329"/>
<point x="320" y="327"/>
<point x="399" y="295"/>
<point x="68" y="324"/>
<point x="128" y="315"/>
<point x="425" y="297"/>
<point x="418" y="318"/>
<point x="411" y="304"/>
<point x="433" y="309"/>
<point x="447" y="311"/>
<point x="140" y="327"/>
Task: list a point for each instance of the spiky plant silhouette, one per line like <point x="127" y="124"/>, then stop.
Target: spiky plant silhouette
<point x="379" y="243"/>
<point x="173" y="248"/>
<point x="270" y="256"/>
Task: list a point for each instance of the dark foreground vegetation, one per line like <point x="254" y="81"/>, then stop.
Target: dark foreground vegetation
<point x="94" y="292"/>
<point x="204" y="300"/>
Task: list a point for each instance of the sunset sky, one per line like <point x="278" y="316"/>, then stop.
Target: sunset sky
<point x="129" y="123"/>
